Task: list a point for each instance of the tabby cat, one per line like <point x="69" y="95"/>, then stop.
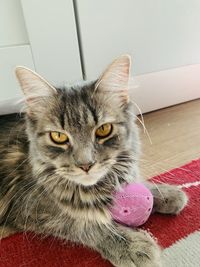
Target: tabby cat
<point x="62" y="158"/>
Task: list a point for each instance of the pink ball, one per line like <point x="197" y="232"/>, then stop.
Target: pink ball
<point x="132" y="205"/>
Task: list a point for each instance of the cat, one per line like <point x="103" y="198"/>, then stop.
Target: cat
<point x="62" y="158"/>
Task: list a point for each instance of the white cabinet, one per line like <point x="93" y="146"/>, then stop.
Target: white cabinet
<point x="10" y="57"/>
<point x="158" y="34"/>
<point x="163" y="38"/>
<point x="10" y="92"/>
<point x="52" y="33"/>
<point x="40" y="35"/>
<point x="14" y="50"/>
<point x="12" y="27"/>
<point x="61" y="39"/>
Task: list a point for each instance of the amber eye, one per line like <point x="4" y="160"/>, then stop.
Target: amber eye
<point x="58" y="138"/>
<point x="104" y="131"/>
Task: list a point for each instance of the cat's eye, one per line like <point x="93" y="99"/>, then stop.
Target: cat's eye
<point x="59" y="138"/>
<point x="104" y="131"/>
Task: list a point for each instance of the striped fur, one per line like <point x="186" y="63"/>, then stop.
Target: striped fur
<point x="41" y="187"/>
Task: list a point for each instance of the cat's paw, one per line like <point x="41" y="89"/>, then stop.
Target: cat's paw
<point x="169" y="199"/>
<point x="142" y="251"/>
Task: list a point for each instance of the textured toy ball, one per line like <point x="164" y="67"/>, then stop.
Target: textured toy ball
<point x="132" y="205"/>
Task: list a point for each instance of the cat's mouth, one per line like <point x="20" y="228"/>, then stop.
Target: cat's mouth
<point x="89" y="178"/>
<point x="84" y="178"/>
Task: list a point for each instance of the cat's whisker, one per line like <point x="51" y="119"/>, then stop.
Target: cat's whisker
<point x="143" y="125"/>
<point x="140" y="112"/>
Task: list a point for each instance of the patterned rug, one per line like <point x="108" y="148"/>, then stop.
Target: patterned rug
<point x="178" y="235"/>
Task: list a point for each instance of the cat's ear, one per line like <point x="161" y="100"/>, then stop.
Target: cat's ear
<point x="33" y="85"/>
<point x="114" y="82"/>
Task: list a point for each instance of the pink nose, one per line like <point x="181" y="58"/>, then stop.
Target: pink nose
<point x="86" y="167"/>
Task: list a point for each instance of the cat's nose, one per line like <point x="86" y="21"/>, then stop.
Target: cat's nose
<point x="86" y="166"/>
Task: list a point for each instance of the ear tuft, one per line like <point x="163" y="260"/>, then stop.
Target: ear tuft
<point x="114" y="82"/>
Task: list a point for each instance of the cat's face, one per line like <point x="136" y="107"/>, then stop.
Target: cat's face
<point x="84" y="131"/>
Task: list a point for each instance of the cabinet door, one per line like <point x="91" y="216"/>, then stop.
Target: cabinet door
<point x="12" y="27"/>
<point x="14" y="50"/>
<point x="52" y="34"/>
<point x="163" y="38"/>
<point x="10" y="92"/>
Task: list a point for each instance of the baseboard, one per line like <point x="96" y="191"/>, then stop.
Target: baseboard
<point x="10" y="106"/>
<point x="166" y="88"/>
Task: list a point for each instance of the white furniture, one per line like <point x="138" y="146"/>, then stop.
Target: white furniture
<point x="163" y="38"/>
<point x="9" y="88"/>
<point x="12" y="26"/>
<point x="67" y="40"/>
<point x="14" y="50"/>
<point x="52" y="33"/>
<point x="42" y="37"/>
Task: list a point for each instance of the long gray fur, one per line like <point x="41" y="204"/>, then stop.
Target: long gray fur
<point x="42" y="189"/>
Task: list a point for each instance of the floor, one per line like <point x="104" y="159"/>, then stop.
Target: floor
<point x="175" y="137"/>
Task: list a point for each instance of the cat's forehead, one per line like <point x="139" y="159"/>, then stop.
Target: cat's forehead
<point x="76" y="109"/>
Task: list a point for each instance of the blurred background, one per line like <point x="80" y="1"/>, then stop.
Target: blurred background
<point x="69" y="40"/>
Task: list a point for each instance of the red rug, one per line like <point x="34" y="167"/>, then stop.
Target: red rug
<point x="178" y="235"/>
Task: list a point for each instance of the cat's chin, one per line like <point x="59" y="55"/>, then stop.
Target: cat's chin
<point x="88" y="179"/>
